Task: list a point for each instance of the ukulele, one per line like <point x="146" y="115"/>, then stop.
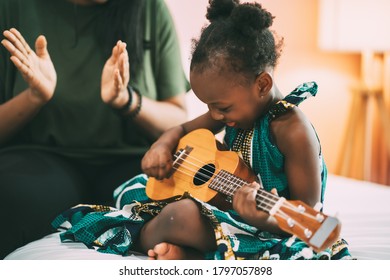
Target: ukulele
<point x="212" y="175"/>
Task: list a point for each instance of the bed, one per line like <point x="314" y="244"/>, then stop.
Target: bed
<point x="362" y="207"/>
<point x="364" y="210"/>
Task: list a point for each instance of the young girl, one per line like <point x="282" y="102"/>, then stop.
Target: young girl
<point x="232" y="72"/>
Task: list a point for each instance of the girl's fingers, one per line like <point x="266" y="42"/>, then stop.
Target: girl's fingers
<point x="254" y="186"/>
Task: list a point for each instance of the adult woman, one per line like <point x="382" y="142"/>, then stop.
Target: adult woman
<point x="70" y="132"/>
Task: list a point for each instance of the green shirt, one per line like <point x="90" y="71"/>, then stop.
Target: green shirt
<point x="76" y="122"/>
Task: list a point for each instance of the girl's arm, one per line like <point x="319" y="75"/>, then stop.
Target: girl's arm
<point x="297" y="141"/>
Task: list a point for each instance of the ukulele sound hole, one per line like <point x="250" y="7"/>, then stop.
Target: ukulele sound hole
<point x="204" y="174"/>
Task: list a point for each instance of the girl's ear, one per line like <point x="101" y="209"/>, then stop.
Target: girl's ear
<point x="264" y="83"/>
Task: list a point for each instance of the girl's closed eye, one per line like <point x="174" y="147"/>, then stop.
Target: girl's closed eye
<point x="225" y="109"/>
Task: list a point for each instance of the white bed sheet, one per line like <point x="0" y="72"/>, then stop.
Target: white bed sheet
<point x="51" y="248"/>
<point x="364" y="211"/>
<point x="362" y="207"/>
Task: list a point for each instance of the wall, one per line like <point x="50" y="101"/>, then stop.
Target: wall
<point x="301" y="61"/>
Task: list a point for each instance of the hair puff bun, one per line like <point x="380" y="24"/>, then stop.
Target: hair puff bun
<point x="220" y="9"/>
<point x="252" y="17"/>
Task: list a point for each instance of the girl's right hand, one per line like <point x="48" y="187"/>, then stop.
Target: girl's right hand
<point x="36" y="68"/>
<point x="158" y="160"/>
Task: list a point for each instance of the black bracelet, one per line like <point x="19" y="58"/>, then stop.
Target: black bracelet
<point x="136" y="111"/>
<point x="125" y="108"/>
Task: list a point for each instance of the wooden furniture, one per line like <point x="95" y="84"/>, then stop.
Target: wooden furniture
<point x="356" y="149"/>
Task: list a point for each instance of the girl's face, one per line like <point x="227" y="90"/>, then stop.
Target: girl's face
<point x="236" y="104"/>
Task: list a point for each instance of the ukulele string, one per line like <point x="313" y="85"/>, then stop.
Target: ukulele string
<point x="231" y="186"/>
<point x="268" y="199"/>
<point x="289" y="206"/>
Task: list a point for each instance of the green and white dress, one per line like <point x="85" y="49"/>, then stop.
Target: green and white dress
<point x="113" y="230"/>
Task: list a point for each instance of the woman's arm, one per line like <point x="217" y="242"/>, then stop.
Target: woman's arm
<point x="154" y="116"/>
<point x="38" y="71"/>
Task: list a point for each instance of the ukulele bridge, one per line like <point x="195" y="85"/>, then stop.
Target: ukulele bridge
<point x="181" y="155"/>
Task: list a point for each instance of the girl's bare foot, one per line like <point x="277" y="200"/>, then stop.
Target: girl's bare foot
<point x="168" y="251"/>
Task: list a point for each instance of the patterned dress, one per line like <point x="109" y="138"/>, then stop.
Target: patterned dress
<point x="113" y="230"/>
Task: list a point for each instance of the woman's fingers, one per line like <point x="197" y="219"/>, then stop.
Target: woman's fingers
<point x="12" y="45"/>
<point x="20" y="51"/>
<point x="24" y="47"/>
<point x="123" y="62"/>
<point x="24" y="68"/>
<point x="41" y="47"/>
<point x="15" y="46"/>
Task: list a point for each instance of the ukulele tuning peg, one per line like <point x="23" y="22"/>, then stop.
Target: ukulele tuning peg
<point x="320" y="218"/>
<point x="301" y="209"/>
<point x="318" y="206"/>
<point x="290" y="222"/>
<point x="308" y="233"/>
<point x="291" y="240"/>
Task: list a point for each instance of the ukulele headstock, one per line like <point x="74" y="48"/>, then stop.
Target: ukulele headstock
<point x="313" y="227"/>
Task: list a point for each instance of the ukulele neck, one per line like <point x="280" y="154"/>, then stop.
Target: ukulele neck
<point x="227" y="183"/>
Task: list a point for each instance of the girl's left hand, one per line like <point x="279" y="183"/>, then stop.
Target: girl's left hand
<point x="244" y="200"/>
<point x="244" y="203"/>
<point x="115" y="77"/>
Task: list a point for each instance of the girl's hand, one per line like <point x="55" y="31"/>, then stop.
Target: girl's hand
<point x="244" y="203"/>
<point x="158" y="160"/>
<point x="115" y="77"/>
<point x="36" y="68"/>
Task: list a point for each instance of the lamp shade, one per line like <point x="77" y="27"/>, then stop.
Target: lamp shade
<point x="354" y="25"/>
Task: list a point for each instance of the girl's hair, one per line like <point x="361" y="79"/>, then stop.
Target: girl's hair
<point x="123" y="20"/>
<point x="238" y="34"/>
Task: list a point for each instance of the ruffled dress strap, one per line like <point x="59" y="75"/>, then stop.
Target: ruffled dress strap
<point x="299" y="94"/>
